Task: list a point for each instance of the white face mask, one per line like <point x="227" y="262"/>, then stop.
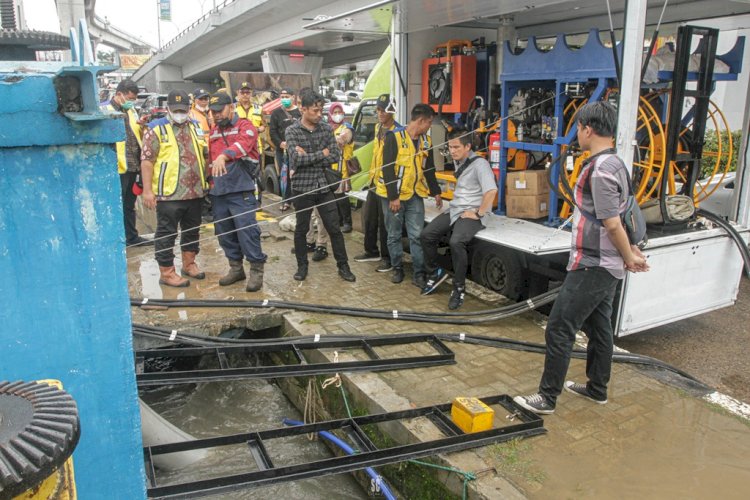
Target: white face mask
<point x="179" y="117"/>
<point x="338" y="118"/>
<point x="203" y="109"/>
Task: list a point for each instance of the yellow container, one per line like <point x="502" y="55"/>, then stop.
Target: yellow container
<point x="471" y="415"/>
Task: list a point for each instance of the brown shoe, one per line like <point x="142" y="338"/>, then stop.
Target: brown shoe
<point x="169" y="277"/>
<point x="189" y="267"/>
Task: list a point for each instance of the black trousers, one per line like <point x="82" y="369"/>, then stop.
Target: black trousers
<point x="329" y="215"/>
<point x="460" y="234"/>
<point x="128" y="206"/>
<point x="185" y="214"/>
<point x="584" y="303"/>
<point x="374" y="229"/>
<point x="344" y="208"/>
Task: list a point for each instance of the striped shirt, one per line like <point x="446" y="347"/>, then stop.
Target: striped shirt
<point x="601" y="190"/>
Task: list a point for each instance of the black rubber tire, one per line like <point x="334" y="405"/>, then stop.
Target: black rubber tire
<point x="271" y="180"/>
<point x="500" y="270"/>
<point x="39" y="431"/>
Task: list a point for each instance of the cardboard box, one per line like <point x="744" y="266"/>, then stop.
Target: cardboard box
<point x="526" y="183"/>
<point x="527" y="207"/>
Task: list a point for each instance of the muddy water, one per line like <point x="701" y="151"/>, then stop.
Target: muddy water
<point x="216" y="409"/>
<point x="655" y="454"/>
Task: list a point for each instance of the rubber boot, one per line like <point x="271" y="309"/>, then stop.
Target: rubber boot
<point x="255" y="280"/>
<point x="189" y="267"/>
<point x="168" y="276"/>
<point x="236" y="273"/>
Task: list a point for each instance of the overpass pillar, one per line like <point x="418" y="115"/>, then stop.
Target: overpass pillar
<point x="276" y="62"/>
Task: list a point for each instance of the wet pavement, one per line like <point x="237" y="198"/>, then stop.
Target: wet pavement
<point x="651" y="439"/>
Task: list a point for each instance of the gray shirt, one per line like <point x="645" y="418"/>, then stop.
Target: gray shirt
<point x="602" y="191"/>
<point x="471" y="186"/>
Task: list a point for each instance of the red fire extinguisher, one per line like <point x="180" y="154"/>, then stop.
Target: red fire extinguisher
<point x="494" y="147"/>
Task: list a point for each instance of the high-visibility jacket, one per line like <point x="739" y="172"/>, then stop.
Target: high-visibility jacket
<point x="202" y="119"/>
<point x="255" y="115"/>
<point x="122" y="164"/>
<point x="409" y="166"/>
<point x="377" y="153"/>
<point x="167" y="164"/>
<point x="347" y="152"/>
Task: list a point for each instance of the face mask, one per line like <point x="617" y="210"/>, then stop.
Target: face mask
<point x="286" y="102"/>
<point x="127" y="105"/>
<point x="203" y="109"/>
<point x="224" y="122"/>
<point x="338" y="118"/>
<point x="179" y="117"/>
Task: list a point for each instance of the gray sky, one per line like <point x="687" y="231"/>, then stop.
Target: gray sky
<point x="137" y="17"/>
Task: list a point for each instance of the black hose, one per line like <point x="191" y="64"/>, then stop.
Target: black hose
<point x="495" y="342"/>
<point x="732" y="232"/>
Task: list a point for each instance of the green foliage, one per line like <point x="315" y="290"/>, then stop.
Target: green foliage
<point x="711" y="145"/>
<point x="510" y="458"/>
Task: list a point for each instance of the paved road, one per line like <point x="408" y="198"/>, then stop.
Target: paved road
<point x="713" y="347"/>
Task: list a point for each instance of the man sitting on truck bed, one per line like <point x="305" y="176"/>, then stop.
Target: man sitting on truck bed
<point x="407" y="177"/>
<point x="472" y="201"/>
<point x="599" y="257"/>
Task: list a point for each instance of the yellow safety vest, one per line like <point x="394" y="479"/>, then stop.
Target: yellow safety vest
<point x="255" y="115"/>
<point x="409" y="167"/>
<point x="122" y="164"/>
<point x="200" y="117"/>
<point x="346" y="153"/>
<point x="377" y="154"/>
<point x="167" y="164"/>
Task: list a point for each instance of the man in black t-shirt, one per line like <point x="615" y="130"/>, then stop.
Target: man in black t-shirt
<point x="281" y="118"/>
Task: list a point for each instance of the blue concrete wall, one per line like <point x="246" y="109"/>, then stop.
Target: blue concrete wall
<point x="63" y="280"/>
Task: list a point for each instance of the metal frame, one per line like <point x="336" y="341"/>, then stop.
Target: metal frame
<point x="704" y="77"/>
<point x="369" y="455"/>
<point x="225" y="371"/>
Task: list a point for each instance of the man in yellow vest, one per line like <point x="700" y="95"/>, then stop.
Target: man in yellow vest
<point x="129" y="157"/>
<point x="249" y="110"/>
<point x="374" y="220"/>
<point x="407" y="177"/>
<point x="174" y="182"/>
<point x="199" y="111"/>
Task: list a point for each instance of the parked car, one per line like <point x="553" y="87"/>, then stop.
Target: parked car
<point x="720" y="201"/>
<point x="153" y="107"/>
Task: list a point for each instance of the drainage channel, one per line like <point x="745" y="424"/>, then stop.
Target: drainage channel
<point x="213" y="409"/>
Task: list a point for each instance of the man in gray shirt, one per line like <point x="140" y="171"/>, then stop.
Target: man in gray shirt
<point x="472" y="201"/>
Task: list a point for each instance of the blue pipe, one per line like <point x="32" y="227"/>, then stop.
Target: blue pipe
<point x="349" y="451"/>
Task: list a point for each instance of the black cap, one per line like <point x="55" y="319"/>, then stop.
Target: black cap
<point x="383" y="101"/>
<point x="287" y="90"/>
<point x="245" y="85"/>
<point x="218" y="101"/>
<point x="178" y="100"/>
<point x="200" y="93"/>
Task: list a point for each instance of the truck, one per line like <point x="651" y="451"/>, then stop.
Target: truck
<point x="517" y="84"/>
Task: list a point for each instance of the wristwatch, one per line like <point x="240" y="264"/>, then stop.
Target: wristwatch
<point x="476" y="211"/>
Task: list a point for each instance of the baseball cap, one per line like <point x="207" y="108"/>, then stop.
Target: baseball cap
<point x="287" y="90"/>
<point x="383" y="101"/>
<point x="246" y="86"/>
<point x="178" y="100"/>
<point x="218" y="101"/>
<point x="200" y="93"/>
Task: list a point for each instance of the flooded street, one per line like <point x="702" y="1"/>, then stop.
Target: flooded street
<point x="219" y="409"/>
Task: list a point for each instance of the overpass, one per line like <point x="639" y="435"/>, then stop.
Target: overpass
<point x="239" y="34"/>
<point x="100" y="30"/>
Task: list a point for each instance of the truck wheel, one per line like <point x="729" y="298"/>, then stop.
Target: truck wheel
<point x="499" y="270"/>
<point x="271" y="180"/>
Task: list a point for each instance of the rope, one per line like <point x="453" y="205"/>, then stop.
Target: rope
<point x="467" y="476"/>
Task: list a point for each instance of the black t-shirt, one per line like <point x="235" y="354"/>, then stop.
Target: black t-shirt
<point x="280" y="120"/>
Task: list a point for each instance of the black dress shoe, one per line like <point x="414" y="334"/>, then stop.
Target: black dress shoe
<point x="139" y="241"/>
<point x="398" y="275"/>
<point x="346" y="228"/>
<point x="301" y="273"/>
<point x="346" y="273"/>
